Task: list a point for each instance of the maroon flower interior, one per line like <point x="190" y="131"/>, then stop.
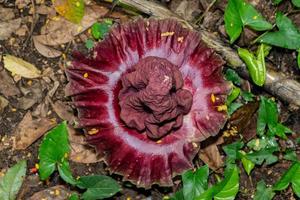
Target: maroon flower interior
<point x="149" y="94"/>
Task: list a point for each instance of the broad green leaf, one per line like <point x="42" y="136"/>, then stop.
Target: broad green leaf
<point x="263" y="192"/>
<point x="261" y="143"/>
<point x="233" y="107"/>
<point x="288" y="35"/>
<point x="280" y="130"/>
<point x="178" y="195"/>
<point x="195" y="183"/>
<point x="232" y="76"/>
<point x="98" y="187"/>
<point x="99" y="30"/>
<point x="65" y="172"/>
<point x="256" y="65"/>
<point x="298" y="58"/>
<point x="239" y="13"/>
<point x="277" y="1"/>
<point x="12" y="181"/>
<point x="232" y="151"/>
<point x="53" y="149"/>
<point x="267" y="114"/>
<point x="226" y="189"/>
<point x="290" y="155"/>
<point x="292" y="175"/>
<point x="296" y="3"/>
<point x="247" y="164"/>
<point x="72" y="10"/>
<point x="266" y="155"/>
<point x="235" y="92"/>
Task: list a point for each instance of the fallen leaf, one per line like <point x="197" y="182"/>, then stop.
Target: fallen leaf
<point x="63" y="111"/>
<point x="81" y="152"/>
<point x="22" y="3"/>
<point x="32" y="95"/>
<point x="58" y="192"/>
<point x="188" y="9"/>
<point x="7" y="85"/>
<point x="29" y="130"/>
<point x="20" y="67"/>
<point x="8" y="24"/>
<point x="60" y="31"/>
<point x="46" y="51"/>
<point x="3" y="104"/>
<point x="209" y="153"/>
<point x="72" y="10"/>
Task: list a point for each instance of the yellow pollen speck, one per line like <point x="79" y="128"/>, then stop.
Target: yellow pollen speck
<point x="57" y="192"/>
<point x="180" y="39"/>
<point x="29" y="82"/>
<point x="66" y="155"/>
<point x="89" y="31"/>
<point x="158" y="141"/>
<point x="37" y="166"/>
<point x="77" y="3"/>
<point x="53" y="120"/>
<point x="79" y="29"/>
<point x="128" y="198"/>
<point x="167" y="34"/>
<point x="231" y="132"/>
<point x="64" y="56"/>
<point x="213" y="98"/>
<point x="85" y="75"/>
<point x="222" y="108"/>
<point x="13" y="110"/>
<point x="55" y="18"/>
<point x="93" y="131"/>
<point x="255" y="17"/>
<point x="257" y="142"/>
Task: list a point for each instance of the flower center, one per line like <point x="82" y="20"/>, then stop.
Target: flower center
<point x="152" y="97"/>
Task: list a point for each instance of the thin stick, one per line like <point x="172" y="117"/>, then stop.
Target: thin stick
<point x="276" y="83"/>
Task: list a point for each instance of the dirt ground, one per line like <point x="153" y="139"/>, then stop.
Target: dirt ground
<point x="38" y="96"/>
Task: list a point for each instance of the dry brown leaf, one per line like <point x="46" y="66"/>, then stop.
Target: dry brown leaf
<point x="46" y="51"/>
<point x="63" y="110"/>
<point x="32" y="95"/>
<point x="81" y="152"/>
<point x="7" y="85"/>
<point x="29" y="130"/>
<point x="20" y="67"/>
<point x="210" y="154"/>
<point x="3" y="104"/>
<point x="60" y="31"/>
<point x="8" y="24"/>
<point x="45" y="10"/>
<point x="58" y="192"/>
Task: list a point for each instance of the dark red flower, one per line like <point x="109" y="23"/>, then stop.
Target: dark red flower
<point x="151" y="91"/>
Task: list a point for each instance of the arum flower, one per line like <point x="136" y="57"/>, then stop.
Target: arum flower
<point x="146" y="98"/>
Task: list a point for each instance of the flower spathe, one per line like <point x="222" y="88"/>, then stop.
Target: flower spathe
<point x="156" y="134"/>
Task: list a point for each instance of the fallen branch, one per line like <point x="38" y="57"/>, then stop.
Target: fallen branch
<point x="276" y="83"/>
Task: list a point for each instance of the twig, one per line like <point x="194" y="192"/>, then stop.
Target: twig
<point x="205" y="12"/>
<point x="32" y="25"/>
<point x="276" y="83"/>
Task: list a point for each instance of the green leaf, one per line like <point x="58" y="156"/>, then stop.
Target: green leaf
<point x="280" y="130"/>
<point x="233" y="107"/>
<point x="65" y="172"/>
<point x="231" y="75"/>
<point x="247" y="164"/>
<point x="226" y="189"/>
<point x="235" y="92"/>
<point x="277" y="1"/>
<point x="261" y="143"/>
<point x="72" y="10"/>
<point x="238" y="14"/>
<point x="247" y="96"/>
<point x="266" y="155"/>
<point x="89" y="44"/>
<point x="98" y="187"/>
<point x="11" y="183"/>
<point x="178" y="195"/>
<point x="288" y="35"/>
<point x="195" y="183"/>
<point x="232" y="151"/>
<point x="296" y="3"/>
<point x="298" y="59"/>
<point x="292" y="175"/>
<point x="256" y="65"/>
<point x="99" y="30"/>
<point x="263" y="192"/>
<point x="290" y="155"/>
<point x="74" y="196"/>
<point x="267" y="114"/>
<point x="53" y="149"/>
